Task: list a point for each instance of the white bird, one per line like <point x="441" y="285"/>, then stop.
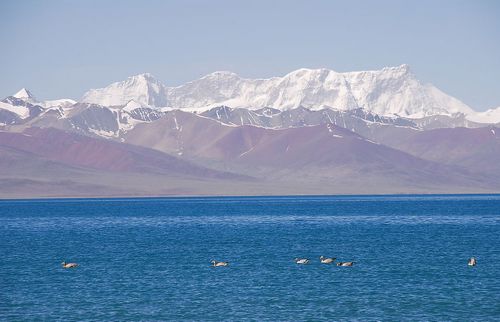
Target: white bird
<point x="301" y="261"/>
<point x="326" y="260"/>
<point x="345" y="263"/>
<point x="219" y="264"/>
<point x="472" y="261"/>
<point x="69" y="265"/>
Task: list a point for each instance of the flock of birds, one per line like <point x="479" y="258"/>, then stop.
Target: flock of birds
<point x="323" y="260"/>
<point x="301" y="261"/>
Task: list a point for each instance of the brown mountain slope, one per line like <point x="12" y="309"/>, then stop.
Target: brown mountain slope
<point x="322" y="154"/>
<point x="86" y="152"/>
<point x="477" y="149"/>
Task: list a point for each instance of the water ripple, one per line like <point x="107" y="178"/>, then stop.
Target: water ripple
<point x="136" y="221"/>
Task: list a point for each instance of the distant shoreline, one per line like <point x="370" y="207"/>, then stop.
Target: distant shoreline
<point x="395" y="195"/>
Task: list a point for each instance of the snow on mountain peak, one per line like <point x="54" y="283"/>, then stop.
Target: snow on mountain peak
<point x="489" y="116"/>
<point x="144" y="89"/>
<point x="403" y="69"/>
<point x="24" y="97"/>
<point x="222" y="74"/>
<point x="132" y="105"/>
<point x="389" y="91"/>
<point x="23" y="93"/>
<point x="144" y="77"/>
<point x="392" y="90"/>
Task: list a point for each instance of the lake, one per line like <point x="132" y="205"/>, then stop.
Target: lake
<point x="149" y="258"/>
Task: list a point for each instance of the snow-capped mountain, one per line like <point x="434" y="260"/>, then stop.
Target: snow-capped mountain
<point x="19" y="107"/>
<point x="23" y="106"/>
<point x="358" y="101"/>
<point x="25" y="95"/>
<point x="489" y="116"/>
<point x="143" y="89"/>
<point x="10" y="111"/>
<point x="390" y="91"/>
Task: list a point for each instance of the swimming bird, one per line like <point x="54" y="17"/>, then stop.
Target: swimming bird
<point x="218" y="264"/>
<point x="69" y="265"/>
<point x="326" y="260"/>
<point x="345" y="263"/>
<point x="472" y="261"/>
<point x="301" y="261"/>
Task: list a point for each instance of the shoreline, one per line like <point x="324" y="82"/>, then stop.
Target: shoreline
<point x="340" y="195"/>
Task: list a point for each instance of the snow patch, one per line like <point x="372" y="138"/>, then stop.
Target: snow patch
<point x="104" y="133"/>
<point x="63" y="103"/>
<point x="21" y="111"/>
<point x="490" y="116"/>
<point x="176" y="124"/>
<point x="246" y="152"/>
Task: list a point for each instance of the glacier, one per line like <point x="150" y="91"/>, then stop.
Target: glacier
<point x="389" y="91"/>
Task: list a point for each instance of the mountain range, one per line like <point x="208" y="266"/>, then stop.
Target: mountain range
<point x="312" y="131"/>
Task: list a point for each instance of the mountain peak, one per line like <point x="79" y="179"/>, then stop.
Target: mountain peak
<point x="401" y="69"/>
<point x="309" y="73"/>
<point x="387" y="91"/>
<point x="405" y="67"/>
<point x="145" y="76"/>
<point x="132" y="105"/>
<point x="144" y="89"/>
<point x="222" y="74"/>
<point x="23" y="93"/>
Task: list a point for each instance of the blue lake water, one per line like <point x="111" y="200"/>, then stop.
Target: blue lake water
<point x="149" y="259"/>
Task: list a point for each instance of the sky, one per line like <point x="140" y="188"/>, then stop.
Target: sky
<point x="61" y="49"/>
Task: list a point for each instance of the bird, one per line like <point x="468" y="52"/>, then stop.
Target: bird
<point x="345" y="263"/>
<point x="301" y="261"/>
<point x="472" y="261"/>
<point x="219" y="264"/>
<point x="326" y="260"/>
<point x="69" y="265"/>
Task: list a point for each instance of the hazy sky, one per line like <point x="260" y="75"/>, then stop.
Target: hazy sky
<point x="62" y="48"/>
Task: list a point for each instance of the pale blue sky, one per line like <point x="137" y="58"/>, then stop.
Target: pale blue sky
<point x="62" y="48"/>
